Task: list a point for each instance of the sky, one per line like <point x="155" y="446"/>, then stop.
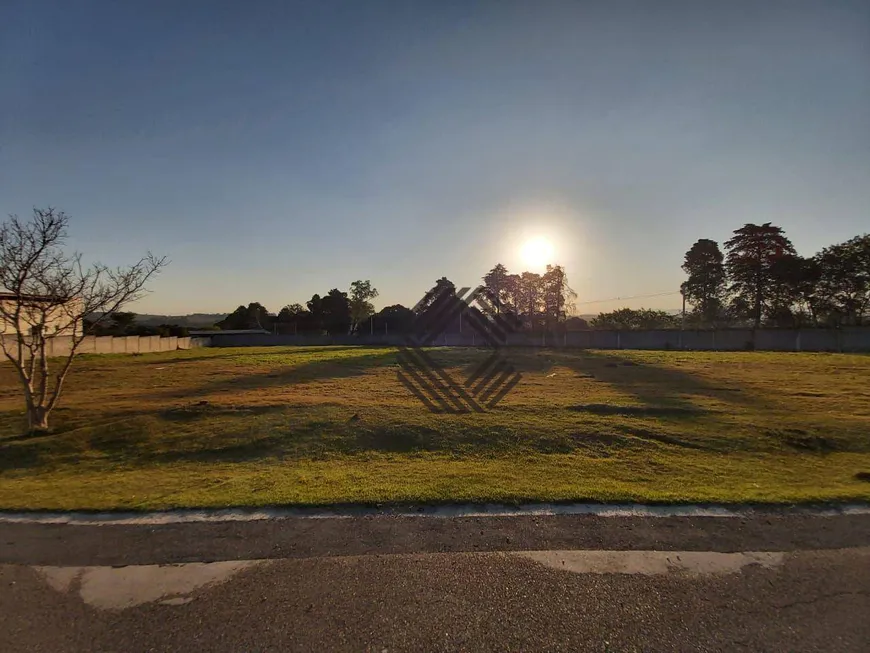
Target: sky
<point x="273" y="150"/>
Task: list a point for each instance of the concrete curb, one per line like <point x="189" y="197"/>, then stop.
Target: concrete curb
<point x="441" y="511"/>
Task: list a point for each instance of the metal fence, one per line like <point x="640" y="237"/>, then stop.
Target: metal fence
<point x="854" y="339"/>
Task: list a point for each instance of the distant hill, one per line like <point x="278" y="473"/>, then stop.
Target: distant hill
<point x="190" y="321"/>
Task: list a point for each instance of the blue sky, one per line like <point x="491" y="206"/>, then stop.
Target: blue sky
<point x="275" y="149"/>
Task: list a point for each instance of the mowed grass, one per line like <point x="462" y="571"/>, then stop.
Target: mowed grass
<point x="326" y="425"/>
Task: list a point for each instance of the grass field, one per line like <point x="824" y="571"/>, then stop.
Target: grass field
<point x="318" y="425"/>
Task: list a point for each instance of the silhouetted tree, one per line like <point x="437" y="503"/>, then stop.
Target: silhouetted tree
<point x="629" y="318"/>
<point x="793" y="296"/>
<point x="575" y="323"/>
<point x="335" y="311"/>
<point x="395" y="319"/>
<point x="707" y="283"/>
<point x="498" y="284"/>
<point x="361" y="294"/>
<point x="843" y="287"/>
<point x="439" y="309"/>
<point x="294" y="318"/>
<point x="557" y="296"/>
<point x="252" y="316"/>
<point x="530" y="299"/>
<point x="752" y="252"/>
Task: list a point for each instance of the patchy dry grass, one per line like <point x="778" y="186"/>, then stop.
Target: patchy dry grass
<point x="255" y="426"/>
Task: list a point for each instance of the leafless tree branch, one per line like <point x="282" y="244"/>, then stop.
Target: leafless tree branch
<point x="47" y="288"/>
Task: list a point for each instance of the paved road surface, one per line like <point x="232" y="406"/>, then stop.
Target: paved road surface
<point x="569" y="583"/>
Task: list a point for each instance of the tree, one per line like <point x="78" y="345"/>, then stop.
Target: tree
<point x="558" y="297"/>
<point x="394" y="319"/>
<point x="293" y="318"/>
<point x="530" y="299"/>
<point x="361" y="308"/>
<point x="50" y="293"/>
<point x="575" y="323"/>
<point x="165" y="330"/>
<point x="624" y="319"/>
<point x="438" y="309"/>
<point x="844" y="280"/>
<point x="443" y="288"/>
<point x="122" y="321"/>
<point x="752" y="252"/>
<point x="498" y="286"/>
<point x="793" y="298"/>
<point x="252" y="316"/>
<point x="335" y="312"/>
<point x="315" y="312"/>
<point x="707" y="283"/>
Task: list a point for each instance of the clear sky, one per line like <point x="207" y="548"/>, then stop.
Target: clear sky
<point x="276" y="149"/>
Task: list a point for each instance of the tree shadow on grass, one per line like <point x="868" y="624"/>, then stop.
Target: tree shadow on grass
<point x="666" y="392"/>
<point x="637" y="411"/>
<point x="231" y="353"/>
<point x="200" y="410"/>
<point x="305" y="372"/>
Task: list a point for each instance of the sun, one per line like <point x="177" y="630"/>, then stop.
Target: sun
<point x="537" y="253"/>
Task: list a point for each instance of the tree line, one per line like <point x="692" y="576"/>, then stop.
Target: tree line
<point x="123" y="323"/>
<point x="530" y="300"/>
<point x="760" y="280"/>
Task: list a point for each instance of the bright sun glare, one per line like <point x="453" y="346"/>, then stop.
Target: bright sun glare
<point x="537" y="253"/>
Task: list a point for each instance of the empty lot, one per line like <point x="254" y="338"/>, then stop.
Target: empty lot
<point x="317" y="425"/>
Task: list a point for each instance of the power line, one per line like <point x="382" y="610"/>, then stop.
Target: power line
<point x="615" y="299"/>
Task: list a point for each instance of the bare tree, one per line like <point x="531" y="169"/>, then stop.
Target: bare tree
<point x="50" y="294"/>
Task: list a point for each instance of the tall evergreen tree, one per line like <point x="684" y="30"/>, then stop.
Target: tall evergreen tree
<point x="751" y="254"/>
<point x="707" y="283"/>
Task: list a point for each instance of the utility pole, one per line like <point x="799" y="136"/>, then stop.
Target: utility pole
<point x="683" y="315"/>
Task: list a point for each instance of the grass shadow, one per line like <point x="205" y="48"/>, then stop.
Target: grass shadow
<point x="229" y="353"/>
<point x="663" y="438"/>
<point x="318" y="369"/>
<point x="665" y="391"/>
<point x="637" y="411"/>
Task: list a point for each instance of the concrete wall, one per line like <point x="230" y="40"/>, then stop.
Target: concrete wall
<point x="851" y="339"/>
<point x="846" y="339"/>
<point x="60" y="345"/>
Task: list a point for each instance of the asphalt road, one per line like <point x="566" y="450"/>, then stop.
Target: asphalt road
<point x="57" y="544"/>
<point x="435" y="584"/>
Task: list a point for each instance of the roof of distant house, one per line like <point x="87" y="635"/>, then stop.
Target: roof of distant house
<point x="227" y="332"/>
<point x="18" y="296"/>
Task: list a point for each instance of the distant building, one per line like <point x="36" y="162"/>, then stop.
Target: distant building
<point x="56" y="319"/>
<point x="228" y="332"/>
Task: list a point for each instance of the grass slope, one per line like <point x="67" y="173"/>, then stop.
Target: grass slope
<point x="316" y="425"/>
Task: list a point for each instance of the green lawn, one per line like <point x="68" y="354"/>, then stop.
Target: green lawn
<point x="318" y="425"/>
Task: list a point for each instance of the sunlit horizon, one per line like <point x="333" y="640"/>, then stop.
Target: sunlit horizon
<point x="363" y="142"/>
